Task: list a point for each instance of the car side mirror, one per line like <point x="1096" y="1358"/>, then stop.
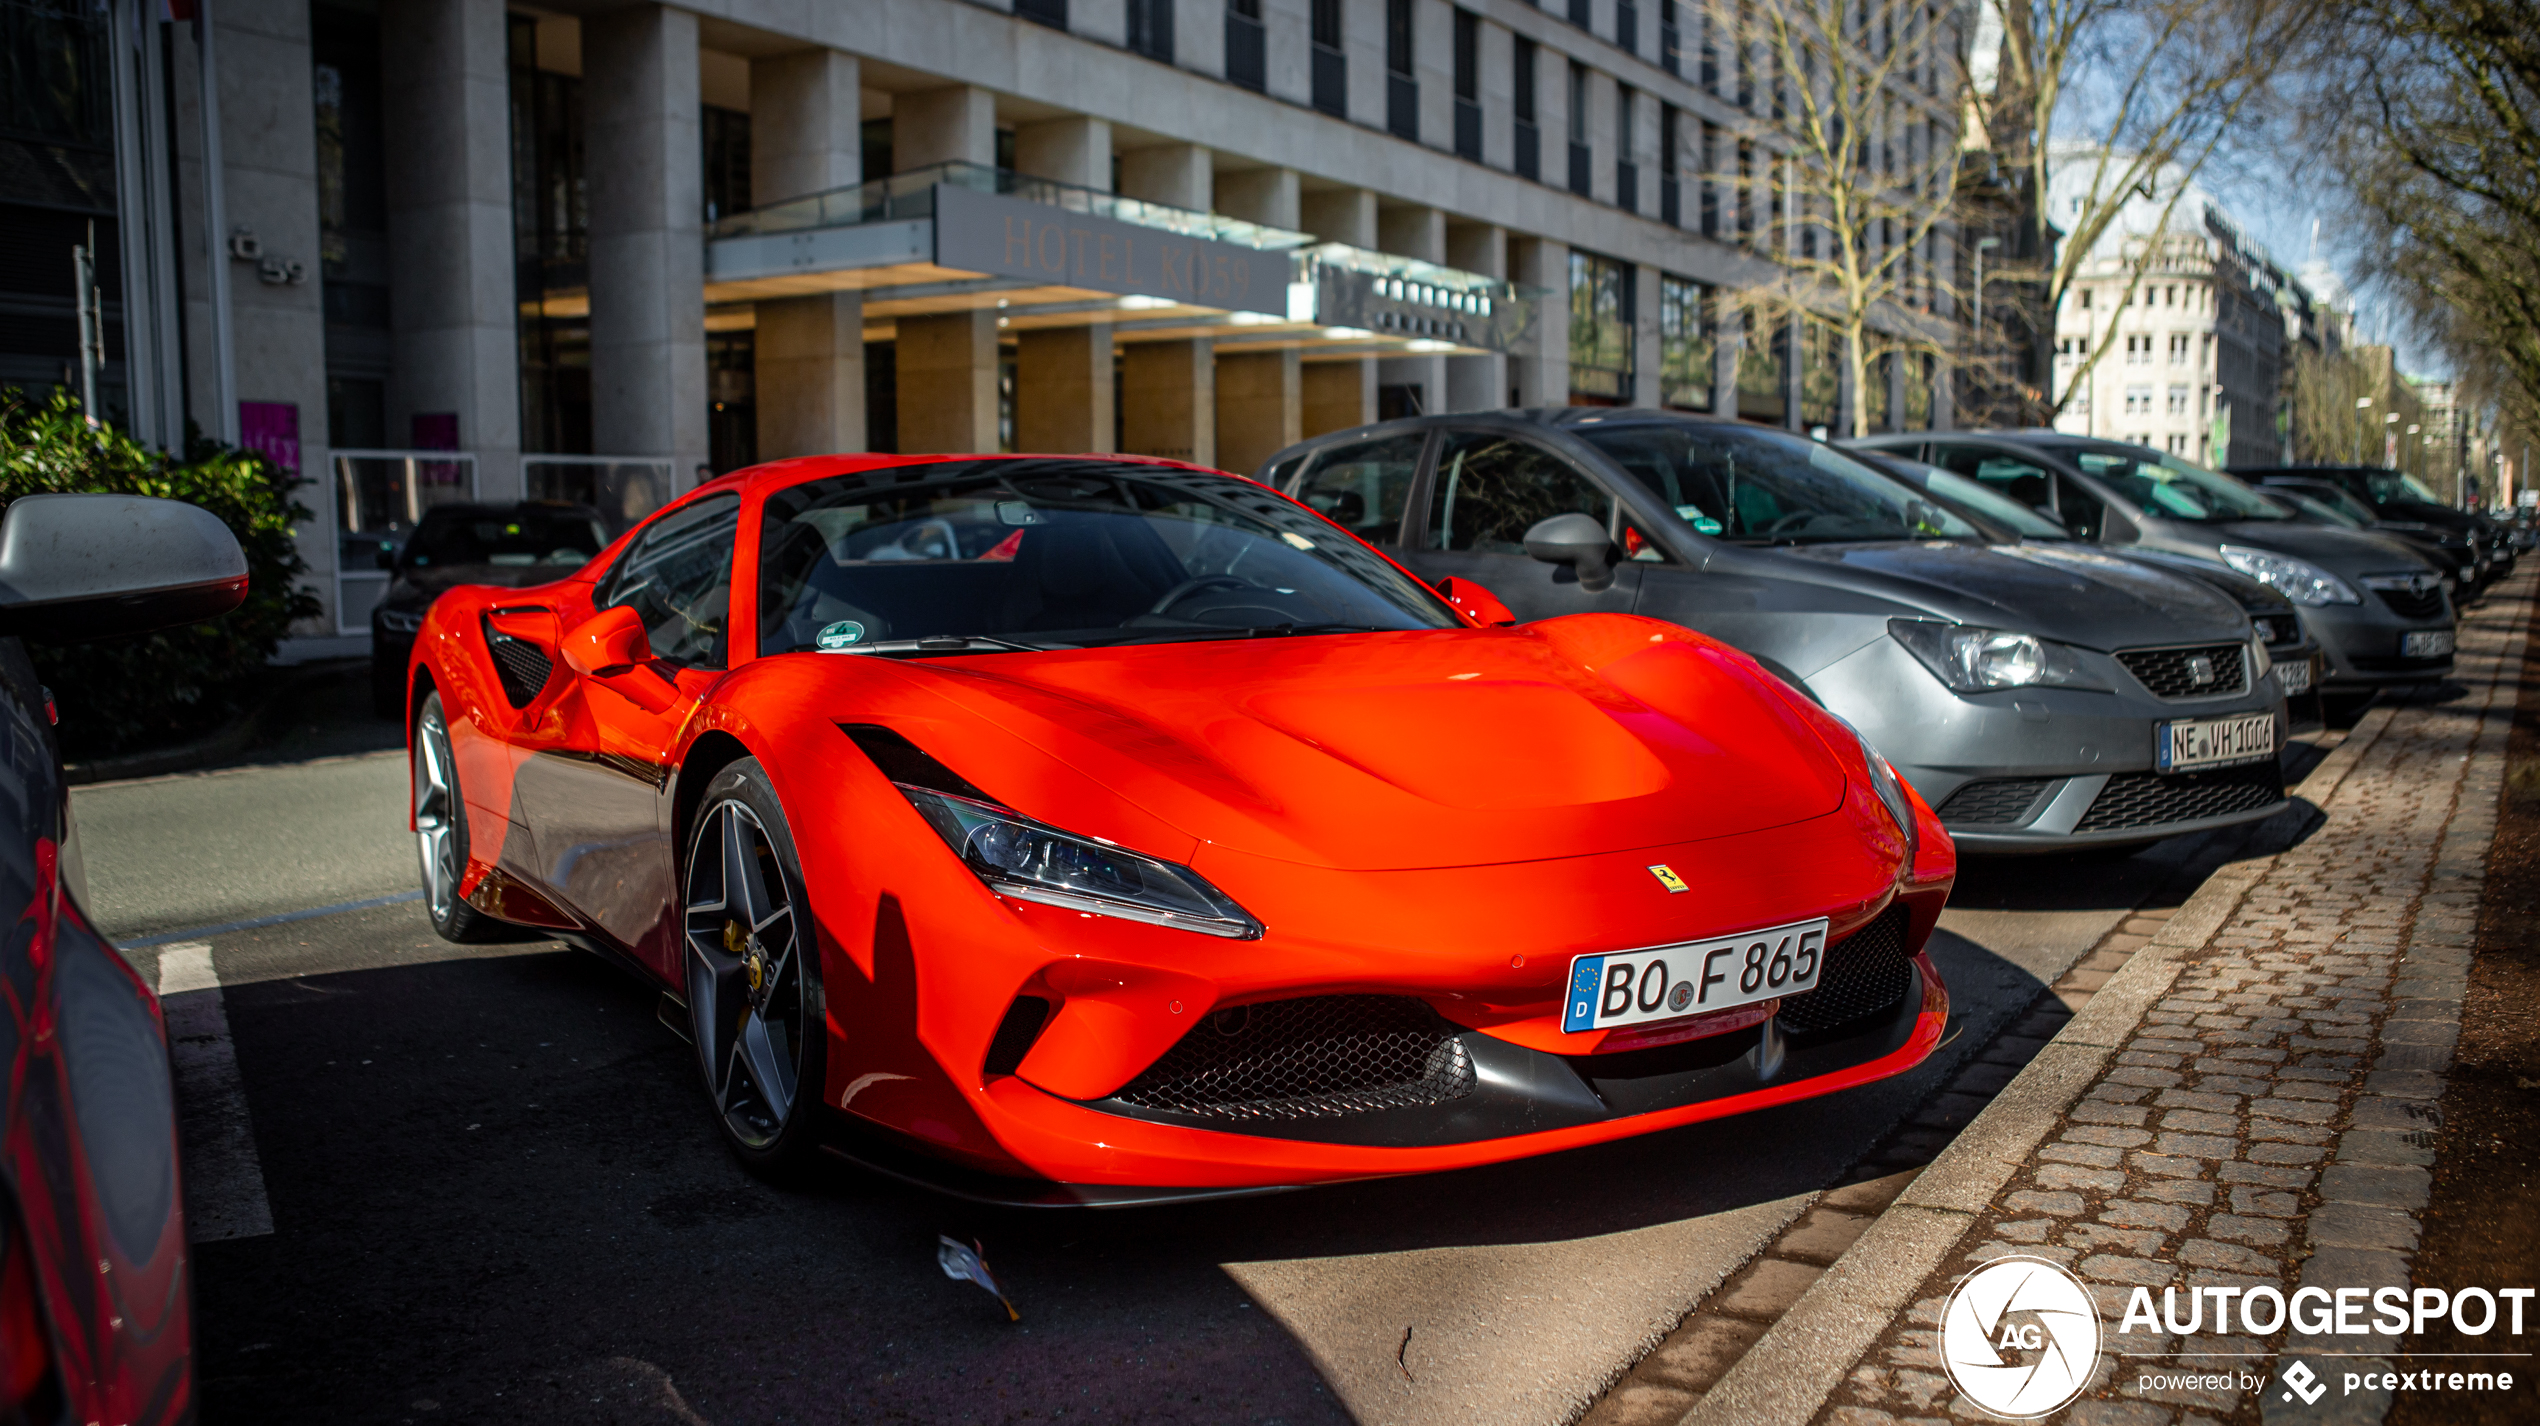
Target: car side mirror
<point x="75" y="567"/>
<point x="1579" y="542"/>
<point x="1476" y="603"/>
<point x="614" y="647"/>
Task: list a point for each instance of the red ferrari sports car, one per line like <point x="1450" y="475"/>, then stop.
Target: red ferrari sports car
<point x="1106" y="830"/>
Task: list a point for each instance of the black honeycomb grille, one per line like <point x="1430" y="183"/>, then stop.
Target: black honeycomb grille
<point x="1992" y="802"/>
<point x="2423" y="604"/>
<point x="1866" y="973"/>
<point x="2149" y="799"/>
<point x="2207" y="671"/>
<point x="522" y="666"/>
<point x="1312" y="1058"/>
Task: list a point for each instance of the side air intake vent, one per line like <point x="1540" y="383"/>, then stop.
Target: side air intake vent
<point x="1312" y="1058"/>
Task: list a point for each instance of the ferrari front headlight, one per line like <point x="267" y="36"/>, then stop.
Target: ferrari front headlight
<point x="1033" y="861"/>
<point x="1889" y="787"/>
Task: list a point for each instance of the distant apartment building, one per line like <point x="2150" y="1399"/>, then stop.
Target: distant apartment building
<point x="429" y="249"/>
<point x="2200" y="338"/>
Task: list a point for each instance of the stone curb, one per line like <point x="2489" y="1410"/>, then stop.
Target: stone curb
<point x="1786" y="1378"/>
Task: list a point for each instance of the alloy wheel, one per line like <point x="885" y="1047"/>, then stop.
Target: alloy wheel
<point x="745" y="981"/>
<point x="436" y="814"/>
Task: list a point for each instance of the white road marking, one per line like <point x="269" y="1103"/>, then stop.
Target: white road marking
<point x="224" y="1181"/>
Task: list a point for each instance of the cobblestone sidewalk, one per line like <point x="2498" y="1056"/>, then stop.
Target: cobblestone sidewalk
<point x="2246" y="1103"/>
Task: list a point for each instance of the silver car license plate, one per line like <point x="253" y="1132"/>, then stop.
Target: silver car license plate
<point x="2191" y="743"/>
<point x="1694" y="977"/>
<point x="2425" y="644"/>
<point x="2293" y="678"/>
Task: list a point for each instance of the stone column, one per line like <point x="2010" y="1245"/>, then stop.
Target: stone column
<point x="1260" y="407"/>
<point x="1063" y="390"/>
<point x="648" y="350"/>
<point x="1647" y="387"/>
<point x="1170" y="405"/>
<point x="943" y="125"/>
<point x="1178" y="174"/>
<point x="1477" y="383"/>
<point x="446" y="101"/>
<point x="805" y="138"/>
<point x="1267" y="196"/>
<point x="1542" y="375"/>
<point x="1073" y="150"/>
<point x="948" y="382"/>
<point x="1341" y="393"/>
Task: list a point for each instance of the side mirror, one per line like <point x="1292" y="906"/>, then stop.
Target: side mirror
<point x="613" y="647"/>
<point x="1476" y="603"/>
<point x="76" y="567"/>
<point x="1579" y="542"/>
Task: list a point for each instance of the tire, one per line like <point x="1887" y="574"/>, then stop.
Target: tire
<point x="752" y="969"/>
<point x="441" y="832"/>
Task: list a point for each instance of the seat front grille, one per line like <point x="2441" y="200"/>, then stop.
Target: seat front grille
<point x="1992" y="802"/>
<point x="1312" y="1058"/>
<point x="2207" y="671"/>
<point x="2150" y="799"/>
<point x="1866" y="973"/>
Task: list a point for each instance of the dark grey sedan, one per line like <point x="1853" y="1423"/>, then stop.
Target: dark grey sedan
<point x="2041" y="698"/>
<point x="2376" y="605"/>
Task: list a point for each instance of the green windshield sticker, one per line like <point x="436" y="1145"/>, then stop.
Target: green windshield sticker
<point x="846" y="633"/>
<point x="1692" y="515"/>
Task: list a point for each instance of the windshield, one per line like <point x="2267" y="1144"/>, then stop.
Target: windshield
<point x="2336" y="499"/>
<point x="1061" y="554"/>
<point x="1755" y="487"/>
<point x="2319" y="509"/>
<point x="2171" y="489"/>
<point x="566" y="539"/>
<point x="2393" y="487"/>
<point x="1976" y="499"/>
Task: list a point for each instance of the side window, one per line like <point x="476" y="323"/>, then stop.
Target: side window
<point x="1363" y="486"/>
<point x="677" y="577"/>
<point x="1490" y="490"/>
<point x="2083" y="513"/>
<point x="2031" y="485"/>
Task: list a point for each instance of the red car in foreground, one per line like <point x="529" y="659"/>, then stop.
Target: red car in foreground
<point x="1103" y="830"/>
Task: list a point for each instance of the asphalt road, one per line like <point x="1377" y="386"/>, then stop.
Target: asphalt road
<point x="497" y="1196"/>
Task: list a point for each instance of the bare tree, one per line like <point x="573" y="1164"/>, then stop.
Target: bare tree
<point x="1843" y="182"/>
<point x="2175" y="81"/>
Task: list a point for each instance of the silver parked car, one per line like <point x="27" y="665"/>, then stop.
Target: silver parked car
<point x="2376" y="605"/>
<point x="2042" y="698"/>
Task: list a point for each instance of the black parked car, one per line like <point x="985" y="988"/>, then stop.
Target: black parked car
<point x="533" y="542"/>
<point x="2402" y="505"/>
<point x="95" y="1293"/>
<point x="2457" y="550"/>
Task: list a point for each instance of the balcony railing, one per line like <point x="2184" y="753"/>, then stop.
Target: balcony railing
<point x="912" y="195"/>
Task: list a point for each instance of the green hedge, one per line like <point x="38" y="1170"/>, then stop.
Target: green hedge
<point x="119" y="694"/>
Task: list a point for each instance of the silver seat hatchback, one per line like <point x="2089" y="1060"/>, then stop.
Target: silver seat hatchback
<point x="2042" y="699"/>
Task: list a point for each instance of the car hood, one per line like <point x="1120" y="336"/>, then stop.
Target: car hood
<point x="2248" y="593"/>
<point x="413" y="590"/>
<point x="1433" y="748"/>
<point x="2066" y="593"/>
<point x="2350" y="553"/>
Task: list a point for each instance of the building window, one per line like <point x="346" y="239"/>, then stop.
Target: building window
<point x="1626" y="173"/>
<point x="2085" y="299"/>
<point x="2138" y="351"/>
<point x="2138" y="401"/>
<point x="1685" y="369"/>
<point x="1052" y="13"/>
<point x="2178" y="444"/>
<point x="1583" y="15"/>
<point x="725" y="137"/>
<point x="1670" y="185"/>
<point x="1331" y="66"/>
<point x="1820" y="372"/>
<point x="1627" y="25"/>
<point x="1247" y="50"/>
<point x="1763" y="372"/>
<point x="1671" y="39"/>
<point x="1582" y="179"/>
<point x="1468" y="85"/>
<point x="2178" y="349"/>
<point x="1529" y="156"/>
<point x="2178" y="400"/>
<point x="1402" y="91"/>
<point x="1151" y="28"/>
<point x="1600" y="328"/>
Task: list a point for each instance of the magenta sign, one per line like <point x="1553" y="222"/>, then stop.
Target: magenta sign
<point x="272" y="429"/>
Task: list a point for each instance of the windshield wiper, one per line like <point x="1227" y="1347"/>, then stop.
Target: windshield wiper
<point x="943" y="644"/>
<point x="1199" y="633"/>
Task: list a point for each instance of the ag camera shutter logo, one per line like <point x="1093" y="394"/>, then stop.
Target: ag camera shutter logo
<point x="2020" y="1337"/>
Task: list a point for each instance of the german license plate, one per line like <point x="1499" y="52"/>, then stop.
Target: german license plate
<point x="2425" y="644"/>
<point x="2212" y="742"/>
<point x="1693" y="978"/>
<point x="2293" y="678"/>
